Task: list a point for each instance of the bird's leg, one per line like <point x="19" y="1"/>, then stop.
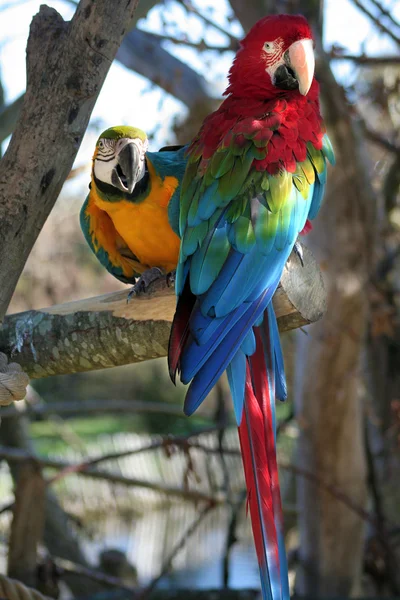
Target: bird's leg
<point x="171" y="278"/>
<point x="298" y="250"/>
<point x="147" y="278"/>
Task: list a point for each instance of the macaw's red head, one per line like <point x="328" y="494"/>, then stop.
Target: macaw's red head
<point x="275" y="58"/>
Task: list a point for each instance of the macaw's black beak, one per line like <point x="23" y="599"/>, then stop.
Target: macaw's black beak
<point x="124" y="175"/>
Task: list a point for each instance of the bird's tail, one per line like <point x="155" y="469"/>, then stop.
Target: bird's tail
<point x="258" y="447"/>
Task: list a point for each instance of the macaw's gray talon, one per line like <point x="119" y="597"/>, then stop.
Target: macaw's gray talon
<point x="144" y="281"/>
<point x="171" y="278"/>
<point x="299" y="251"/>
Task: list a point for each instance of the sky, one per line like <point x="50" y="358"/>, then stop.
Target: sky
<point x="141" y="104"/>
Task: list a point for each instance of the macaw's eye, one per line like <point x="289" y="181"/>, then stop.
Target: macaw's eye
<point x="269" y="47"/>
<point x="101" y="144"/>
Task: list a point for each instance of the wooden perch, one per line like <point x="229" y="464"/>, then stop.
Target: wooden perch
<point x="106" y="331"/>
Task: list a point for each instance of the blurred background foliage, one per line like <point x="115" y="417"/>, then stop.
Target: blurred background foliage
<point x="169" y="73"/>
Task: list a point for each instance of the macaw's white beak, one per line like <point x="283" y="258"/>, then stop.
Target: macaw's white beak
<point x="300" y="58"/>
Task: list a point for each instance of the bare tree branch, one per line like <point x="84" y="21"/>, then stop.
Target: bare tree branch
<point x="377" y="22"/>
<point x="201" y="46"/>
<point x="362" y="59"/>
<point x="385" y="12"/>
<point x="84" y="407"/>
<point x="17" y="456"/>
<point x="379" y="139"/>
<point x="190" y="8"/>
<point x="141" y="52"/>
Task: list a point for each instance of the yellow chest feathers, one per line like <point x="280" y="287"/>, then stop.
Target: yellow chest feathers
<point x="145" y="226"/>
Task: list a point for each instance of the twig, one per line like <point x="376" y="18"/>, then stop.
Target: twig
<point x="376" y="21"/>
<point x="332" y="489"/>
<point x="385" y="12"/>
<point x="16" y="455"/>
<point x="201" y="46"/>
<point x="362" y="59"/>
<point x="379" y="139"/>
<point x="181" y="543"/>
<point x="75" y="407"/>
<point x="67" y="566"/>
<point x="165" y="442"/>
<point x="234" y="42"/>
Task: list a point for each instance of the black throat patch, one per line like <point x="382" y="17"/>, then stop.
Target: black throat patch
<point x="114" y="194"/>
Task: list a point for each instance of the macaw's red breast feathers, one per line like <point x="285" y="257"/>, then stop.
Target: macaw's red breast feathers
<point x="276" y="132"/>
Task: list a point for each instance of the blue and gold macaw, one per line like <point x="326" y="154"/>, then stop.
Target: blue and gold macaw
<point x="130" y="218"/>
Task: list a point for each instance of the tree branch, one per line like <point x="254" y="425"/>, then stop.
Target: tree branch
<point x="16" y="456"/>
<point x="376" y="21"/>
<point x="362" y="59"/>
<point x="66" y="67"/>
<point x="379" y="139"/>
<point x="142" y="52"/>
<point x="385" y="12"/>
<point x="200" y="46"/>
<point x="77" y="408"/>
<point x="106" y="331"/>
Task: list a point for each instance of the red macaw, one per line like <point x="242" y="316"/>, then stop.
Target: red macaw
<point x="256" y="172"/>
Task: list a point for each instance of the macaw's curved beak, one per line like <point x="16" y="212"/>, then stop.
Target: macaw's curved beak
<point x="297" y="72"/>
<point x="302" y="61"/>
<point x="124" y="175"/>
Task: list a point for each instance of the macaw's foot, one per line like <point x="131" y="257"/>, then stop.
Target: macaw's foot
<point x="171" y="278"/>
<point x="299" y="251"/>
<point x="144" y="281"/>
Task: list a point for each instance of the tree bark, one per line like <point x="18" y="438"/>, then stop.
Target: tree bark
<point x="66" y="67"/>
<point x="27" y="524"/>
<point x="107" y="331"/>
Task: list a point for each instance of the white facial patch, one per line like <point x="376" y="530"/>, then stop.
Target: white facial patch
<point x="274" y="56"/>
<point x="107" y="157"/>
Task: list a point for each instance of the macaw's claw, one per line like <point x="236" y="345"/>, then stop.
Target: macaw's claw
<point x="144" y="281"/>
<point x="171" y="278"/>
<point x="298" y="250"/>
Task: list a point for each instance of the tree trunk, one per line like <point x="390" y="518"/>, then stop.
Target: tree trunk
<point x="66" y="67"/>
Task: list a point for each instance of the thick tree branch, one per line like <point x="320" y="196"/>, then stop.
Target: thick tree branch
<point x="142" y="52"/>
<point x="66" y="67"/>
<point x="106" y="331"/>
